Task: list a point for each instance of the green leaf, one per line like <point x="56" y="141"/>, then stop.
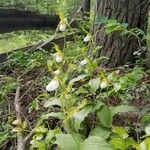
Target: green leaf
<point x="100" y="19"/>
<point x="95" y="143"/>
<point x="51" y="134"/>
<point x="58" y="115"/>
<point x="41" y="129"/>
<point x="38" y="136"/>
<point x="147" y="130"/>
<point x="101" y="132"/>
<point x="18" y="130"/>
<point x="79" y="117"/>
<point x="117" y="87"/>
<point x="3" y="136"/>
<point x="94" y="84"/>
<point x="131" y="142"/>
<point x="40" y="145"/>
<point x="34" y="105"/>
<point x="105" y="116"/>
<point x="121" y="132"/>
<point x="145" y="145"/>
<point x="81" y="90"/>
<point x="146" y="118"/>
<point x="68" y="141"/>
<point x="125" y="25"/>
<point x="97" y="105"/>
<point x="118" y="143"/>
<point x="80" y="77"/>
<point x="52" y="102"/>
<point x="122" y="109"/>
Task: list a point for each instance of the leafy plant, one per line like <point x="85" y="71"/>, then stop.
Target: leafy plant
<point x="79" y="97"/>
<point x="5" y="133"/>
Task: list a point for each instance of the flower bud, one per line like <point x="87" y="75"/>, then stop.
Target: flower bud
<point x="53" y="85"/>
<point x="147" y="130"/>
<point x="104" y="84"/>
<point x="87" y="38"/>
<point x="58" y="58"/>
<point x="83" y="62"/>
<point x="62" y="26"/>
<point x="56" y="72"/>
<point x="78" y="116"/>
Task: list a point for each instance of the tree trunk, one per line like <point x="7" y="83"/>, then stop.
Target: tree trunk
<point x="119" y="49"/>
<point x="86" y="8"/>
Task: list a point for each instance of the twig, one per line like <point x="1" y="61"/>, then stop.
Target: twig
<point x="21" y="140"/>
<point x="20" y="143"/>
<point x="4" y="145"/>
<point x="32" y="84"/>
<point x="17" y="104"/>
<point x="29" y="136"/>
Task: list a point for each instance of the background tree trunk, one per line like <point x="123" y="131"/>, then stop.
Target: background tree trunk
<point x="119" y="49"/>
<point x="86" y="8"/>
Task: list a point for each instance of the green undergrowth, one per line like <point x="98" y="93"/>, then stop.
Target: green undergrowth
<point x="20" y="39"/>
<point x="69" y="101"/>
<point x="92" y="107"/>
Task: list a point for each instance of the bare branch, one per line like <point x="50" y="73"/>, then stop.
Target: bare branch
<point x="29" y="136"/>
<point x="17" y="104"/>
<point x="20" y="142"/>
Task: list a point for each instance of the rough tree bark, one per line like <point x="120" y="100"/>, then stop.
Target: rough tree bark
<point x="118" y="49"/>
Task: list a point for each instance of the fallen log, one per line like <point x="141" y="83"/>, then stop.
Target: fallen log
<point x="48" y="44"/>
<point x="14" y="19"/>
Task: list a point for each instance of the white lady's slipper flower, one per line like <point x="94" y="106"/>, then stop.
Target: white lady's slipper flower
<point x="62" y="26"/>
<point x="135" y="52"/>
<point x="147" y="130"/>
<point x="78" y="116"/>
<point x="87" y="38"/>
<point x="104" y="84"/>
<point x="83" y="62"/>
<point x="58" y="58"/>
<point x="53" y="85"/>
<point x="56" y="72"/>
